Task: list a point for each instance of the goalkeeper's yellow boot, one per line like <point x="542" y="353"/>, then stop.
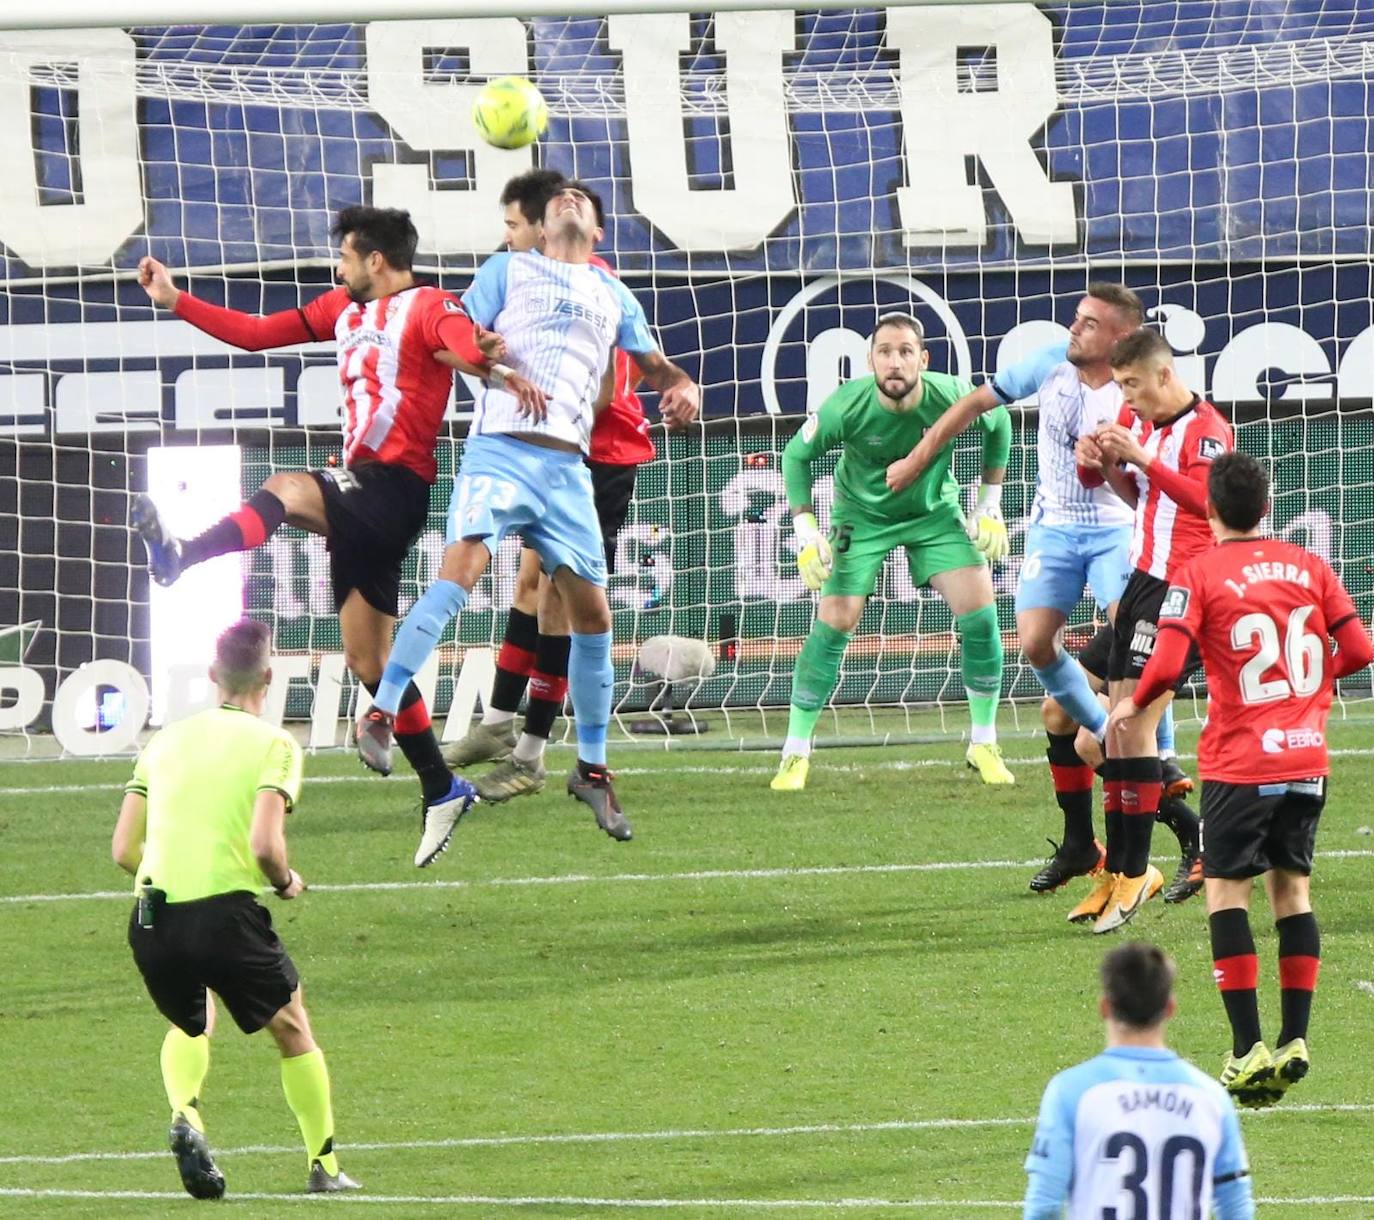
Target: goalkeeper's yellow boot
<point x="792" y="773"/>
<point x="1250" y="1079"/>
<point x="1096" y="902"/>
<point x="986" y="759"/>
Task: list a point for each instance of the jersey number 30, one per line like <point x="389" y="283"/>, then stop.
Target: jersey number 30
<point x="1168" y="1154"/>
<point x="1304" y="655"/>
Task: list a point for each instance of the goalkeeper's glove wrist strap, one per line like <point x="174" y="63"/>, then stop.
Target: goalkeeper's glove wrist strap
<point x="990" y="495"/>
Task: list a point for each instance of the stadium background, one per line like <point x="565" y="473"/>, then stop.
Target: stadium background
<point x="1218" y="162"/>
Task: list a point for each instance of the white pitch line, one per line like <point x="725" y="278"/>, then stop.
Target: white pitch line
<point x="844" y="1204"/>
<point x="842" y="768"/>
<point x="706" y="874"/>
<point x="627" y="1137"/>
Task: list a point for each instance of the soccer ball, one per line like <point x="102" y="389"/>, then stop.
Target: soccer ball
<point x="510" y="112"/>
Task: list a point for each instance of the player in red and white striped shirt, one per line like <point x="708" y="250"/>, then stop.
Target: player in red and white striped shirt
<point x="370" y="509"/>
<point x="1159" y="463"/>
<point x="534" y="651"/>
<point x="1264" y="613"/>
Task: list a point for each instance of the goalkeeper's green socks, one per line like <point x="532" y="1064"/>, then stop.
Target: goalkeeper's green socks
<point x="305" y="1081"/>
<point x="981" y="664"/>
<point x="813" y="680"/>
<point x="185" y="1063"/>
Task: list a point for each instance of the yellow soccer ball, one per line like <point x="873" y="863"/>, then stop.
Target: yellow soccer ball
<point x="510" y="112"/>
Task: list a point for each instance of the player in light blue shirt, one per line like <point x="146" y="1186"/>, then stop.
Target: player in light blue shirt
<point x="1137" y="1131"/>
<point x="522" y="472"/>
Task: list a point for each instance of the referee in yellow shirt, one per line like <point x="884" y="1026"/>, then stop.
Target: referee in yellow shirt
<point x="202" y="829"/>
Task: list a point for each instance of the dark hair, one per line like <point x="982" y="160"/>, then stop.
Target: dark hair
<point x="1141" y="346"/>
<point x="1138" y="979"/>
<point x="242" y="656"/>
<point x="1238" y="487"/>
<point x="532" y="190"/>
<point x="386" y="231"/>
<point x="563" y="184"/>
<point x="1120" y="297"/>
<point x="897" y="318"/>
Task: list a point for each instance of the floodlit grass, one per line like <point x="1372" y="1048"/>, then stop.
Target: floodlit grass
<point x="762" y="998"/>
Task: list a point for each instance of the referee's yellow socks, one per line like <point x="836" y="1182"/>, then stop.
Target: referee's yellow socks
<point x="305" y="1081"/>
<point x="185" y="1062"/>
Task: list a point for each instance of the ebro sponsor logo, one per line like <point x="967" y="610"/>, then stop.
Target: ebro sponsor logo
<point x="1275" y="741"/>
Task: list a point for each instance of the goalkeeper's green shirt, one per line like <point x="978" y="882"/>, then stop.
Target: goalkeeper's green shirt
<point x="202" y="776"/>
<point x="874" y="437"/>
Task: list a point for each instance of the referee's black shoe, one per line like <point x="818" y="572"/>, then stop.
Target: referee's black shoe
<point x="591" y="785"/>
<point x="198" y="1171"/>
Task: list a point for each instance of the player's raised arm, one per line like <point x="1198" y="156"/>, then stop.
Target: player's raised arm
<point x="679" y="396"/>
<point x="251" y="332"/>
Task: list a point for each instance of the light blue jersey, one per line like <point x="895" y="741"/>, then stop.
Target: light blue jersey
<point x="1068" y="410"/>
<point x="560" y="322"/>
<point x="1137" y="1132"/>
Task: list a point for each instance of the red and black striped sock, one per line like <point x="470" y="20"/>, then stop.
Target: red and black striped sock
<point x="515" y="662"/>
<point x="1236" y="970"/>
<point x="1073" y="790"/>
<point x="1140" y="780"/>
<point x="1300" y="959"/>
<point x="548" y="684"/>
<point x="242" y="530"/>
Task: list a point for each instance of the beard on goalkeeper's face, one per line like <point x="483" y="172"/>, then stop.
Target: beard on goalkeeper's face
<point x="896" y="385"/>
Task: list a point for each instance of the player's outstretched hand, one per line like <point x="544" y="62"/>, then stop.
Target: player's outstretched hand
<point x="815" y="559"/>
<point x="529" y="398"/>
<point x="680" y="405"/>
<point x="489" y="343"/>
<point x="902" y="474"/>
<point x="156" y="281"/>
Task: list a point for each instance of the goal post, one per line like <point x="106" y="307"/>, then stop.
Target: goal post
<point x="775" y="178"/>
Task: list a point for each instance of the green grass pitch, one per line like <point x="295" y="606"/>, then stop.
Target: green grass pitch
<point x="839" y="1002"/>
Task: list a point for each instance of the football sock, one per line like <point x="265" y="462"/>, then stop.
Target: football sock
<point x="548" y="684"/>
<point x="242" y="530"/>
<point x="980" y="662"/>
<point x="796" y="745"/>
<point x="305" y="1081"/>
<point x="1236" y="970"/>
<point x="417" y="638"/>
<point x="415" y="736"/>
<point x="814" y="677"/>
<point x="1175" y="814"/>
<point x="1139" y="780"/>
<point x="513" y="665"/>
<point x="591" y="679"/>
<point x="1300" y="959"/>
<point x="1112" y="816"/>
<point x="185" y="1064"/>
<point x="529" y="749"/>
<point x="1067" y="681"/>
<point x="1164" y="733"/>
<point x="1073" y="790"/>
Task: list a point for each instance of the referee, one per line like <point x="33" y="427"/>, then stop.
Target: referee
<point x="201" y="827"/>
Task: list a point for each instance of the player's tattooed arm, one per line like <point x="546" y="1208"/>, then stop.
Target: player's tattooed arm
<point x="679" y="396"/>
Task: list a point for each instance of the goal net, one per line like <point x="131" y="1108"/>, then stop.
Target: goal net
<point x="774" y="179"/>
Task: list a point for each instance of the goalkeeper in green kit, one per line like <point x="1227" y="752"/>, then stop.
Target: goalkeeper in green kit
<point x="877" y="420"/>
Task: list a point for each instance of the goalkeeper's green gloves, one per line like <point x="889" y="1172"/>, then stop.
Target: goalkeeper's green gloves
<point x="986" y="529"/>
<point x="815" y="560"/>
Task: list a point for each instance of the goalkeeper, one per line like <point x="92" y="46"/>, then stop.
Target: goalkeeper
<point x="874" y="419"/>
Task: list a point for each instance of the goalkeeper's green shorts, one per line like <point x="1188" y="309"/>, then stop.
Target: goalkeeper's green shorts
<point x="934" y="542"/>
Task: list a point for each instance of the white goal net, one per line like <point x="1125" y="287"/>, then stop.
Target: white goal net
<point x="774" y="179"/>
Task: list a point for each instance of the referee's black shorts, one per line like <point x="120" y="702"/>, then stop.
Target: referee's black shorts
<point x="375" y="511"/>
<point x="225" y="943"/>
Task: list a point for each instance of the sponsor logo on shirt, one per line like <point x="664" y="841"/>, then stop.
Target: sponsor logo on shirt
<point x="1275" y="741"/>
<point x="1210" y="448"/>
<point x="575" y="309"/>
<point x="370" y="337"/>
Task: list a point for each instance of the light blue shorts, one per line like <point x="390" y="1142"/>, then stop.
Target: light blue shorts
<point x="1061" y="560"/>
<point x="506" y="486"/>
